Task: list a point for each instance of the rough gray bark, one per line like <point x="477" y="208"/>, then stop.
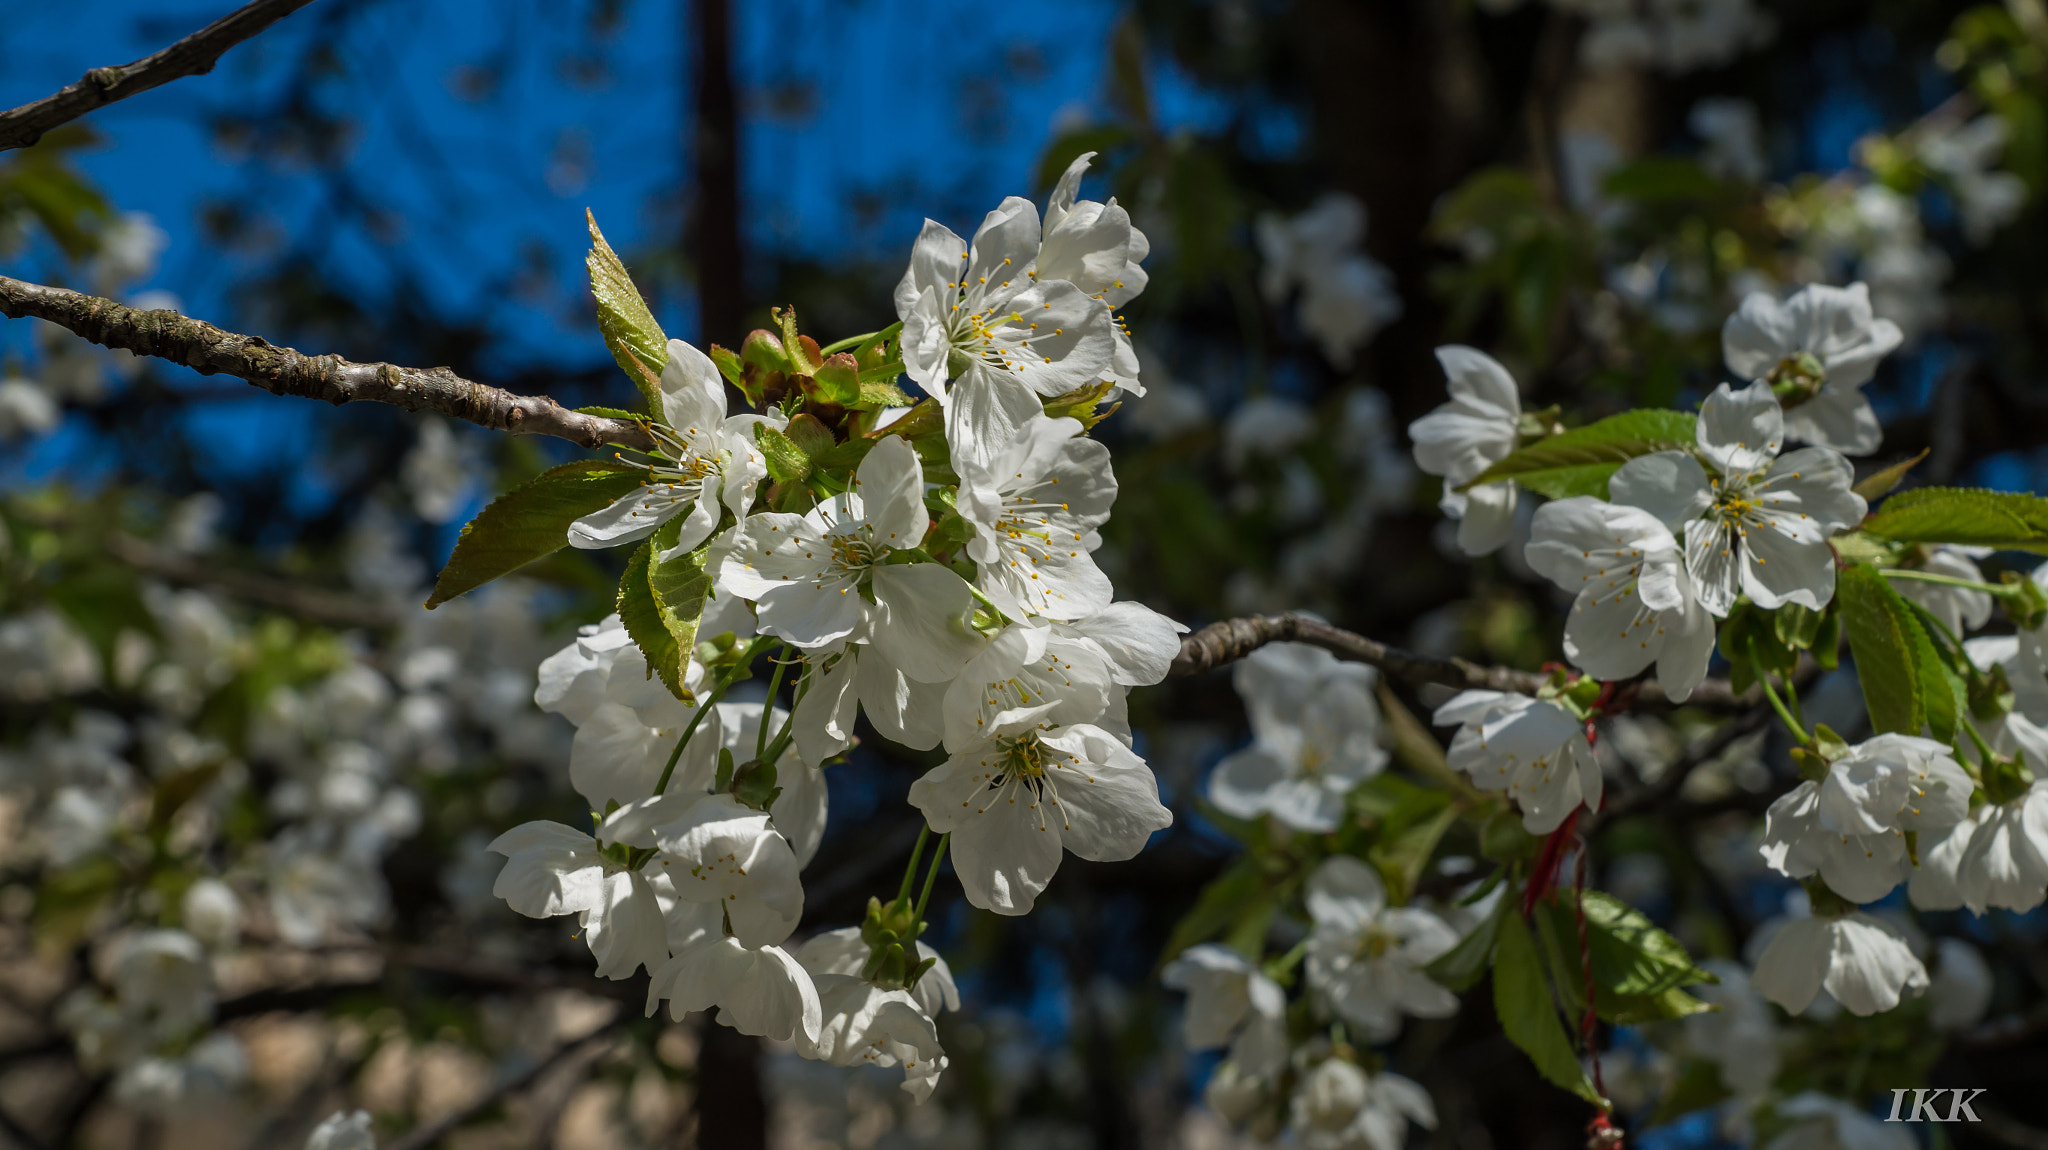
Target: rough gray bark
<point x="283" y="371"/>
<point x="195" y="55"/>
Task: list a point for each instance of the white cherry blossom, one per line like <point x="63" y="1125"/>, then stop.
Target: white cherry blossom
<point x="976" y="315"/>
<point x="1081" y="242"/>
<point x="805" y="574"/>
<point x="1478" y="427"/>
<point x="1034" y="510"/>
<point x="1534" y="749"/>
<point x="1230" y="997"/>
<point x="1635" y="602"/>
<point x="343" y="1130"/>
<point x="1346" y="296"/>
<point x="1850" y="827"/>
<point x="1028" y="674"/>
<point x="1759" y="527"/>
<point x="552" y="869"/>
<point x="712" y="463"/>
<point x="1018" y="797"/>
<point x="1742" y="1036"/>
<point x="1960" y="991"/>
<point x="721" y="852"/>
<point x="1338" y="1106"/>
<point x="843" y="951"/>
<point x="865" y="1024"/>
<point x="2005" y="863"/>
<point x="1315" y="736"/>
<point x="1864" y="963"/>
<point x="1960" y="609"/>
<point x="756" y="990"/>
<point x="1365" y="958"/>
<point x="1822" y="338"/>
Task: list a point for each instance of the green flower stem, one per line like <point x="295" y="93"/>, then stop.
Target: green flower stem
<point x="1944" y="580"/>
<point x="830" y="349"/>
<point x="1281" y="970"/>
<point x="910" y="871"/>
<point x="1763" y="679"/>
<point x="932" y="876"/>
<point x="1792" y="699"/>
<point x="710" y="701"/>
<point x="1984" y="750"/>
<point x="768" y="705"/>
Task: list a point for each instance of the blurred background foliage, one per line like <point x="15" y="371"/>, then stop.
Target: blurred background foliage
<point x="1582" y="189"/>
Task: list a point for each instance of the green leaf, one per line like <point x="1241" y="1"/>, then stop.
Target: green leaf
<point x="1963" y="515"/>
<point x="787" y="463"/>
<point x="1521" y="997"/>
<point x="1637" y="1009"/>
<point x="1630" y="954"/>
<point x="529" y="522"/>
<point x="609" y="412"/>
<point x="1580" y="461"/>
<point x="1462" y="966"/>
<point x="1885" y="640"/>
<point x="1945" y="694"/>
<point x="635" y="340"/>
<point x="1408" y="836"/>
<point x="1232" y="895"/>
<point x="680" y="588"/>
<point x="642" y="617"/>
<point x="845" y="456"/>
<point x="1879" y="484"/>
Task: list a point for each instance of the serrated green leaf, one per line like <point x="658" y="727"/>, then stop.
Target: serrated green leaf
<point x="787" y="462"/>
<point x="1637" y="1009"/>
<point x="1963" y="515"/>
<point x="1521" y="997"/>
<point x="1881" y="638"/>
<point x="680" y="588"/>
<point x="1580" y="461"/>
<point x="1462" y="966"/>
<point x="845" y="456"/>
<point x="609" y="412"/>
<point x="529" y="522"/>
<point x="1631" y="956"/>
<point x="642" y="617"/>
<point x="1944" y="692"/>
<point x="630" y="331"/>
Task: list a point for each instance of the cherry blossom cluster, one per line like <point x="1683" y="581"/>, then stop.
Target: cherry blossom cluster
<point x="1000" y="644"/>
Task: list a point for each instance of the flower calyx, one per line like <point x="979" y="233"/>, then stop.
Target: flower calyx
<point x="1813" y="759"/>
<point x="2023" y="600"/>
<point x="1797" y="378"/>
<point x="751" y="782"/>
<point x="891" y="929"/>
<point x="2005" y="778"/>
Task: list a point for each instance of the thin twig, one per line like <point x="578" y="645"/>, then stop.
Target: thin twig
<point x="195" y="55"/>
<point x="424" y="1136"/>
<point x="1227" y="641"/>
<point x="1233" y="639"/>
<point x="314" y="604"/>
<point x="20" y="1134"/>
<point x="209" y="350"/>
<point x="1668" y="784"/>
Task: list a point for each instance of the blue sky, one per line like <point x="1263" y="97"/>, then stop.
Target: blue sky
<point x="952" y="102"/>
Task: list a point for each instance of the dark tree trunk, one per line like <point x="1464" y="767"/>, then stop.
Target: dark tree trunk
<point x="732" y="1113"/>
<point x="714" y="231"/>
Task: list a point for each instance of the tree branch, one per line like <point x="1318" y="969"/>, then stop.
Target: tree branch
<point x="425" y="1136"/>
<point x="1228" y="641"/>
<point x="314" y="604"/>
<point x="208" y="350"/>
<point x="193" y="56"/>
<point x="1233" y="639"/>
